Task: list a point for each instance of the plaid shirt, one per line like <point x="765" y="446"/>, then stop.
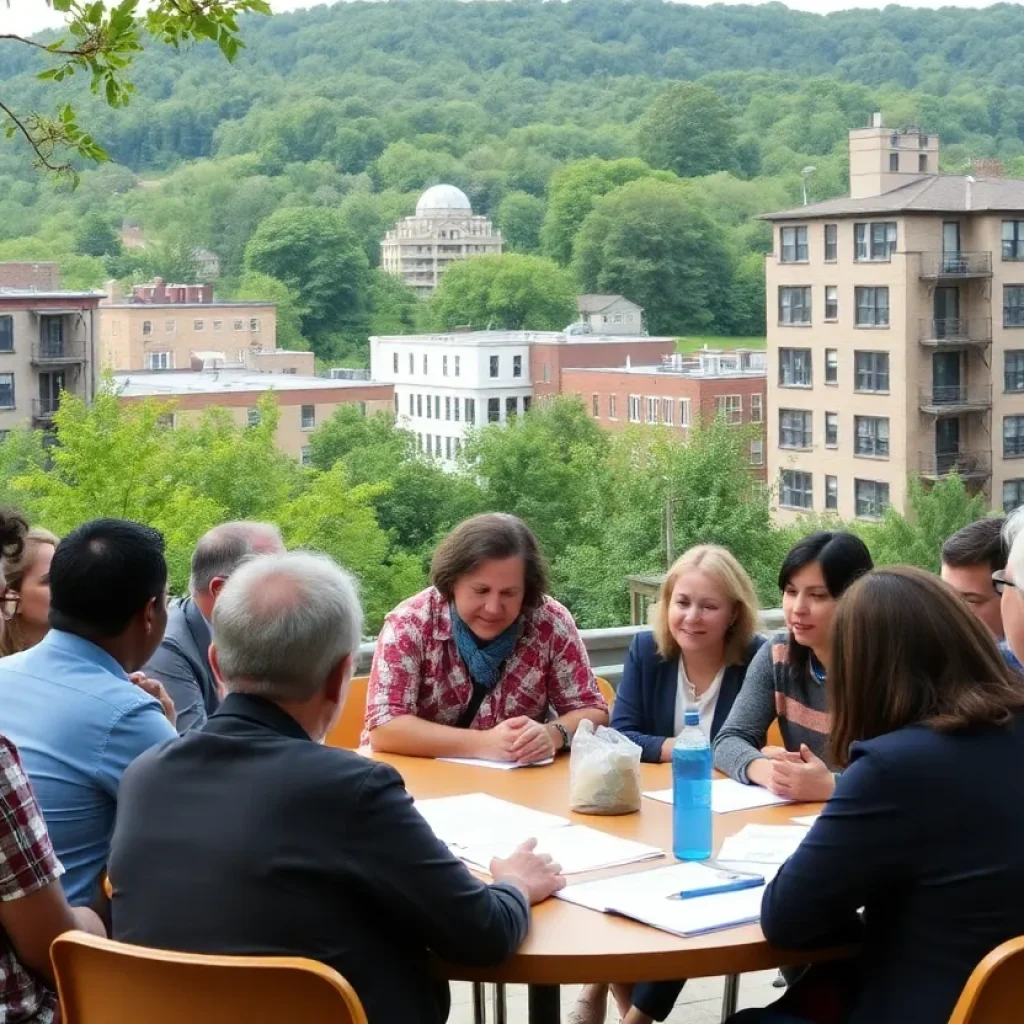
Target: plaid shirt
<point x="27" y="863"/>
<point x="417" y="669"/>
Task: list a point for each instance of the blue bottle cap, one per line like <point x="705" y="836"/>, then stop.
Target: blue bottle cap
<point x="691" y="717"/>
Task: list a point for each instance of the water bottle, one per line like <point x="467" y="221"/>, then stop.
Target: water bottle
<point x="691" y="791"/>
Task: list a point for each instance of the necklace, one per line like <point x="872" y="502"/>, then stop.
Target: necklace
<point x="816" y="671"/>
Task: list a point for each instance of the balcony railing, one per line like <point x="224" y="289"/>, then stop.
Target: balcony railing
<point x="955" y="398"/>
<point x="52" y="352"/>
<point x="971" y="465"/>
<point x="956" y="331"/>
<point x="956" y="264"/>
<point x="43" y="409"/>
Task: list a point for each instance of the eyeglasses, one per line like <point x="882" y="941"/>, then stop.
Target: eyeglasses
<point x="1000" y="582"/>
<point x="9" y="605"/>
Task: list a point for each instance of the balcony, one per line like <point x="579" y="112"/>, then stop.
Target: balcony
<point x="955" y="266"/>
<point x="957" y="332"/>
<point x="952" y="400"/>
<point x="43" y="410"/>
<point x="972" y="467"/>
<point x="57" y="353"/>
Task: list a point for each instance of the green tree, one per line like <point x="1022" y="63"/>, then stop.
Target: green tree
<point x="394" y="306"/>
<point x="519" y="218"/>
<point x="96" y="236"/>
<point x="653" y="242"/>
<point x="688" y="130"/>
<point x="264" y="288"/>
<point x="513" y="291"/>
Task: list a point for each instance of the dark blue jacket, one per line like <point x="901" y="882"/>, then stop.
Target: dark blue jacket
<point x="645" y="702"/>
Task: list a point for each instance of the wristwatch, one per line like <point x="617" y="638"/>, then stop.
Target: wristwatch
<point x="564" y="733"/>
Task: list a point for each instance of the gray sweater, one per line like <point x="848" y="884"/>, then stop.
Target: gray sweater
<point x="770" y="691"/>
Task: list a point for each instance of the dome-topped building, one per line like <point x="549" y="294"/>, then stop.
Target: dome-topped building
<point x="419" y="248"/>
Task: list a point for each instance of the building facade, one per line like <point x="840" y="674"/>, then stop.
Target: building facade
<point x="679" y="392"/>
<point x="47" y="348"/>
<point x="611" y="314"/>
<point x="551" y="353"/>
<point x="896" y="334"/>
<point x="444" y="228"/>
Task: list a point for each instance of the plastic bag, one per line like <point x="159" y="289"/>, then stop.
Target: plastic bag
<point x="604" y="771"/>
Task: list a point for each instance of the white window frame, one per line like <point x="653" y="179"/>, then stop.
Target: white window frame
<point x="685" y="412"/>
<point x="757" y="408"/>
<point x="731" y="408"/>
<point x="310" y="423"/>
<point x="635" y="409"/>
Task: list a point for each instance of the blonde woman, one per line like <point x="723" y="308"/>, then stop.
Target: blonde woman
<point x="25" y="601"/>
<point x="702" y="642"/>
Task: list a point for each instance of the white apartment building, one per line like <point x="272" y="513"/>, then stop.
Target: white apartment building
<point x="447" y="384"/>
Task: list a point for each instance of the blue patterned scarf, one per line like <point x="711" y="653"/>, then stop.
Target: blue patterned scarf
<point x="483" y="661"/>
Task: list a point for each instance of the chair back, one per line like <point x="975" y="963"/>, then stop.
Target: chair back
<point x="774" y="738"/>
<point x="350" y="726"/>
<point x="105" y="982"/>
<point x="994" y="993"/>
<point x="607" y="691"/>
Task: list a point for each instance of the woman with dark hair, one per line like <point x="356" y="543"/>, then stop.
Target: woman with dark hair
<point x="786" y="679"/>
<point x="471" y="666"/>
<point x="925" y="828"/>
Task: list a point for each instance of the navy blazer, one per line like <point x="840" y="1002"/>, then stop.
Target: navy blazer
<point x="645" y="702"/>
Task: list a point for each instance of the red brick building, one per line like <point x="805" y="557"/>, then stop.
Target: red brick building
<point x="30" y="277"/>
<point x="552" y="355"/>
<point x="678" y="391"/>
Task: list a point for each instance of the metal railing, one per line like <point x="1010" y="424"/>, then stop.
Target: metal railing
<point x="43" y="409"/>
<point x="960" y="330"/>
<point x="66" y="351"/>
<point x="956" y="264"/>
<point x="963" y="463"/>
<point x="957" y="396"/>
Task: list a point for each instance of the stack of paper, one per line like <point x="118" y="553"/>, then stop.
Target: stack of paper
<point x="475" y="818"/>
<point x="763" y="844"/>
<point x="728" y="795"/>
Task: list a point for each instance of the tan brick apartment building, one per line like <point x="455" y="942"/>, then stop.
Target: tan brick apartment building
<point x="679" y="392"/>
<point x="896" y="334"/>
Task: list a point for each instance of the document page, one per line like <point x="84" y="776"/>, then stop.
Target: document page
<point x="728" y="795"/>
<point x="471" y="819"/>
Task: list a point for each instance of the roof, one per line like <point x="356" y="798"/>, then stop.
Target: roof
<point x="31" y="295"/>
<point x="442" y="198"/>
<point x="479" y="338"/>
<point x="595" y="303"/>
<point x="190" y="305"/>
<point x="175" y="383"/>
<point x="935" y="193"/>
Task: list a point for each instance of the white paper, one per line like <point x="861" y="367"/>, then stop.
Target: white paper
<point x="659" y="882"/>
<point x="728" y="795"/>
<point x="479" y="762"/>
<point x="577" y="849"/>
<point x="807" y="819"/>
<point x="763" y="844"/>
<point x="472" y="819"/>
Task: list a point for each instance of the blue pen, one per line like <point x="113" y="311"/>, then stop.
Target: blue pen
<point x="732" y="881"/>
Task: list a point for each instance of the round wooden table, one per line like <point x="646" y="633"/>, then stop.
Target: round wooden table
<point x="569" y="944"/>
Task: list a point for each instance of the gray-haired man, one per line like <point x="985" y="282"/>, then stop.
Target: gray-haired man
<point x="250" y="836"/>
<point x="182" y="661"/>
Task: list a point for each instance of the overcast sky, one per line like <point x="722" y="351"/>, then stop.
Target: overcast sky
<point x="32" y="15"/>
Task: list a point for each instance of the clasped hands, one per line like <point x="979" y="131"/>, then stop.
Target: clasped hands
<point x="798" y="776"/>
<point x="519" y="739"/>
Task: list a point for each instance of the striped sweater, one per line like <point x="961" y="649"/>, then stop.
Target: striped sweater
<point x="771" y="690"/>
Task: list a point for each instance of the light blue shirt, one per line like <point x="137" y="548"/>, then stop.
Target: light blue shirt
<point x="78" y="722"/>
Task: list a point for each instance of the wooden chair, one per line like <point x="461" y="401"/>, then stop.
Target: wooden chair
<point x="607" y="691"/>
<point x="104" y="982"/>
<point x="774" y="738"/>
<point x="350" y="726"/>
<point x="994" y="992"/>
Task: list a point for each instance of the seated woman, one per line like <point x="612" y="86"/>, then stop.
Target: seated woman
<point x="698" y="653"/>
<point x="926" y="825"/>
<point x="786" y="680"/>
<point x="25" y="601"/>
<point x="471" y="666"/>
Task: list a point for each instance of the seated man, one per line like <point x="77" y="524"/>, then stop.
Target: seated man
<point x="68" y="703"/>
<point x="250" y="837"/>
<point x="182" y="661"/>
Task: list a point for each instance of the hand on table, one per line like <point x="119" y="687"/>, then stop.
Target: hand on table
<point x="804" y="779"/>
<point x="519" y="739"/>
<point x="533" y="874"/>
<point x="780" y="754"/>
<point x="156" y="689"/>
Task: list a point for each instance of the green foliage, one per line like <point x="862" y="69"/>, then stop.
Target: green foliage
<point x="264" y="288"/>
<point x="519" y="218"/>
<point x="512" y="291"/>
<point x="96" y="236"/>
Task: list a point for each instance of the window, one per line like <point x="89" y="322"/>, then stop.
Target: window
<point x="425" y="363"/>
<point x="430" y="408"/>
<point x="252" y="417"/>
<point x="757" y="453"/>
<point x="666" y="411"/>
<point x="794" y="428"/>
<point x="437" y="445"/>
<point x="757" y="408"/>
<point x="872" y="371"/>
<point x="444" y="366"/>
<point x="493" y="410"/>
<point x="874" y="241"/>
<point x="218" y="325"/>
<point x="198" y="325"/>
<point x="147" y="327"/>
<point x="731" y="407"/>
<point x="793" y="247"/>
<point x="517" y="366"/>
<point x="412" y="363"/>
<point x="872" y="307"/>
<point x="254" y="324"/>
<point x="794" y="305"/>
<point x="457" y="445"/>
<point x="612" y="414"/>
<point x="831" y="302"/>
<point x="471" y="411"/>
<point x="1013" y="240"/>
<point x="494" y="366"/>
<point x="447" y="407"/>
<point x="1013" y="305"/>
<point x="308" y="417"/>
<point x="831" y="243"/>
<point x="831" y="430"/>
<point x="6" y="390"/>
<point x="437" y="406"/>
<point x="306" y="455"/>
<point x="159" y="360"/>
<point x="394" y="362"/>
<point x="526" y="404"/>
<point x="396" y="405"/>
<point x="795" y="490"/>
<point x="871" y="436"/>
<point x="794" y="367"/>
<point x="922" y="163"/>
<point x="1013" y="370"/>
<point x="170" y="326"/>
<point x="652" y="410"/>
<point x="871" y="498"/>
<point x="166" y="421"/>
<point x="419" y="441"/>
<point x="410" y="405"/>
<point x="511" y="407"/>
<point x="831" y="366"/>
<point x="634" y="409"/>
<point x="458" y="361"/>
<point x="1013" y="494"/>
<point x="419" y="406"/>
<point x="684" y="412"/>
<point x="455" y="408"/>
<point x="6" y="333"/>
<point x="894" y="161"/>
<point x="447" y="447"/>
<point x="595" y="405"/>
<point x="1013" y="437"/>
<point x="831" y="493"/>
<point x="547" y="374"/>
<point x="239" y="325"/>
<point x="618" y="318"/>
